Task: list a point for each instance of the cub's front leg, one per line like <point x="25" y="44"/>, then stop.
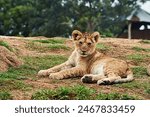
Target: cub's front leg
<point x="46" y="72"/>
<point x="55" y="69"/>
<point x="68" y="73"/>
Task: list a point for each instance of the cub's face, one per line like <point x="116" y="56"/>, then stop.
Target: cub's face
<point x="85" y="43"/>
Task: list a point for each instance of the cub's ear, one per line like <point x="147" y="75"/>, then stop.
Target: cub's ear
<point x="96" y="36"/>
<point x="76" y="34"/>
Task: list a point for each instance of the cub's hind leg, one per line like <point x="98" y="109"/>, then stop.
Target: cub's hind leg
<point x="109" y="80"/>
<point x="90" y="78"/>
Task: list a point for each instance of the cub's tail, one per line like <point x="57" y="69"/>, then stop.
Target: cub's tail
<point x="129" y="78"/>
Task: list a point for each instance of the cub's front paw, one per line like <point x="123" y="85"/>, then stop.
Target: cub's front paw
<point x="87" y="79"/>
<point x="43" y="73"/>
<point x="55" y="76"/>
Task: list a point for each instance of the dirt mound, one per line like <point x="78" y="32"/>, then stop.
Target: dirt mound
<point x="8" y="59"/>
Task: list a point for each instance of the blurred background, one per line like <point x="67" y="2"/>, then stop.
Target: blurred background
<point x="52" y="18"/>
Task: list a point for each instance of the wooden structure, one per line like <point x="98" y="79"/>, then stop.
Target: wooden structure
<point x="138" y="26"/>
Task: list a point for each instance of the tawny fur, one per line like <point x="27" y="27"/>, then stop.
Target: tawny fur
<point x="92" y="66"/>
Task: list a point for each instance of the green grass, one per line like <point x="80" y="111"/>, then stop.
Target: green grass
<point x="130" y="85"/>
<point x="44" y="94"/>
<point x="13" y="78"/>
<point x="115" y="96"/>
<point x="7" y="85"/>
<point x="18" y="73"/>
<point x="62" y="93"/>
<point x="57" y="47"/>
<point x="83" y="93"/>
<point x="42" y="47"/>
<point x="147" y="90"/>
<point x="145" y="41"/>
<point x="102" y="47"/>
<point x="137" y="57"/>
<point x="135" y="85"/>
<point x="44" y="62"/>
<point x="139" y="71"/>
<point x="5" y="95"/>
<point x="51" y="41"/>
<point x="5" y="44"/>
<point x="139" y="49"/>
<point x="77" y="92"/>
<point x="31" y="66"/>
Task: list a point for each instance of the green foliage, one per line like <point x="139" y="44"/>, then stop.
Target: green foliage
<point x="62" y="93"/>
<point x="130" y="85"/>
<point x="102" y="47"/>
<point x="60" y="17"/>
<point x="32" y="66"/>
<point x="5" y="95"/>
<point x="18" y="73"/>
<point x="44" y="62"/>
<point x="141" y="49"/>
<point x="137" y="57"/>
<point x="5" y="44"/>
<point x="51" y="41"/>
<point x="12" y="79"/>
<point x="43" y="46"/>
<point x="22" y="86"/>
<point x="78" y="92"/>
<point x="139" y="71"/>
<point x="115" y="96"/>
<point x="135" y="85"/>
<point x="147" y="91"/>
<point x="145" y="41"/>
<point x="83" y="93"/>
<point x="7" y="84"/>
<point x="107" y="33"/>
<point x="128" y="97"/>
<point x="16" y="17"/>
<point x="110" y="96"/>
<point x="44" y="94"/>
<point x="57" y="47"/>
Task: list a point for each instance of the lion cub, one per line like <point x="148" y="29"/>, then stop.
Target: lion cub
<point x="92" y="66"/>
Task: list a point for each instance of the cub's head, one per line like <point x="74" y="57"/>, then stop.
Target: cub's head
<point x="85" y="43"/>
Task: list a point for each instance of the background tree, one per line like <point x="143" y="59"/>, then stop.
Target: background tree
<point x="50" y="19"/>
<point x="16" y="16"/>
<point x="59" y="17"/>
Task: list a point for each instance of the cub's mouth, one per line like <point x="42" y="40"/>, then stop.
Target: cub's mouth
<point x="83" y="53"/>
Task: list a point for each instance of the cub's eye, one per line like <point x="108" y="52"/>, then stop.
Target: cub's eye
<point x="89" y="44"/>
<point x="80" y="42"/>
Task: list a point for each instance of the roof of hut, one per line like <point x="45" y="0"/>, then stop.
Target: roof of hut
<point x="139" y="15"/>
